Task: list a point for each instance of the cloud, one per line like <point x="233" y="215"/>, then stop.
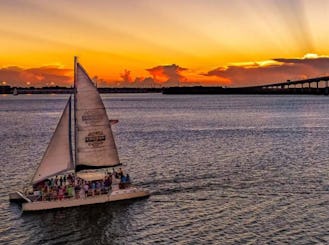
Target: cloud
<point x="140" y="82"/>
<point x="129" y="82"/>
<point x="315" y="65"/>
<point x="126" y="76"/>
<point x="168" y="74"/>
<point x="147" y="82"/>
<point x="236" y="74"/>
<point x="38" y="76"/>
<point x="275" y="70"/>
<point x="161" y="76"/>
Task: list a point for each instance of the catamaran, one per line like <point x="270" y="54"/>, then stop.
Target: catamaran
<point x="94" y="150"/>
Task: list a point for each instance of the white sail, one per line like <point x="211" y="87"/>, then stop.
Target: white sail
<point x="58" y="156"/>
<point x="15" y="92"/>
<point x="95" y="146"/>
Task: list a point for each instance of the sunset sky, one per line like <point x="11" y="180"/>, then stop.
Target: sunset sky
<point x="163" y="43"/>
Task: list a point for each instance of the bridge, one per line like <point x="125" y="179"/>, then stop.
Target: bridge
<point x="317" y="85"/>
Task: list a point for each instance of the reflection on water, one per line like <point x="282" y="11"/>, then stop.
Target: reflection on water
<point x="103" y="222"/>
<point x="221" y="169"/>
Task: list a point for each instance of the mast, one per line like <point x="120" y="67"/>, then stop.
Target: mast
<point x="74" y="109"/>
<point x="70" y="131"/>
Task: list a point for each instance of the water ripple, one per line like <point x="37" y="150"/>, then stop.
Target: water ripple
<point x="221" y="170"/>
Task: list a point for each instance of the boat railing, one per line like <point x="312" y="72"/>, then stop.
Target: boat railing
<point x="77" y="194"/>
<point x="37" y="197"/>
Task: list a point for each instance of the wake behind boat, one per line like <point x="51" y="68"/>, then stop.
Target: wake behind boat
<point x="70" y="176"/>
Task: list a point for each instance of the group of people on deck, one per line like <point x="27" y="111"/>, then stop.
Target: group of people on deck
<point x="71" y="186"/>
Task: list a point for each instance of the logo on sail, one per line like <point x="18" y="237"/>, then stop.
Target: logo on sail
<point x="95" y="139"/>
<point x="90" y="117"/>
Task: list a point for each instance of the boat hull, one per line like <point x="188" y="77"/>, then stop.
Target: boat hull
<point x="125" y="194"/>
<point x="18" y="197"/>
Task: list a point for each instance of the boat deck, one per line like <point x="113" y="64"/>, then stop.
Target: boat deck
<point x="117" y="195"/>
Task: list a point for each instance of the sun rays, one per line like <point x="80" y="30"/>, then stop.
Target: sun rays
<point x="112" y="36"/>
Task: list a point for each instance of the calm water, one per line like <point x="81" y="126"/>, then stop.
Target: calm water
<point x="221" y="169"/>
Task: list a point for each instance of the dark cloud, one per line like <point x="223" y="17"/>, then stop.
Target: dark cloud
<point x="279" y="70"/>
<point x="39" y="76"/>
<point x="320" y="64"/>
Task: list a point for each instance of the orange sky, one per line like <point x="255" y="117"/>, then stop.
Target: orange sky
<point x="163" y="43"/>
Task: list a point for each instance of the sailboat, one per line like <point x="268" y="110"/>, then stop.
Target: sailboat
<point x="94" y="150"/>
<point x="15" y="92"/>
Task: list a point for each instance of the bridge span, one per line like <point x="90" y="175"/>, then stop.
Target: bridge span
<point x="318" y="85"/>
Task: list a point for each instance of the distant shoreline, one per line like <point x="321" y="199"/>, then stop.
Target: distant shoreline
<point x="173" y="90"/>
<point x="63" y="90"/>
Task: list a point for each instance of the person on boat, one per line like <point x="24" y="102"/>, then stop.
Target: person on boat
<point x="82" y="193"/>
<point x="60" y="193"/>
<point x="56" y="181"/>
<point x="37" y="195"/>
<point x="45" y="191"/>
<point x="123" y="179"/>
<point x="98" y="187"/>
<point x="70" y="192"/>
<point x="51" y="182"/>
<point x="64" y="190"/>
<point x="47" y="182"/>
<point x="53" y="193"/>
<point x="107" y="182"/>
<point x="61" y="181"/>
<point x="110" y="180"/>
<point x="77" y="190"/>
<point x="93" y="188"/>
<point x="86" y="188"/>
<point x="115" y="183"/>
<point x="123" y="182"/>
<point x="128" y="179"/>
<point x="120" y="172"/>
<point x="49" y="194"/>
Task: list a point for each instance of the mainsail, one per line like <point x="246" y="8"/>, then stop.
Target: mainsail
<point x="94" y="143"/>
<point x="58" y="156"/>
